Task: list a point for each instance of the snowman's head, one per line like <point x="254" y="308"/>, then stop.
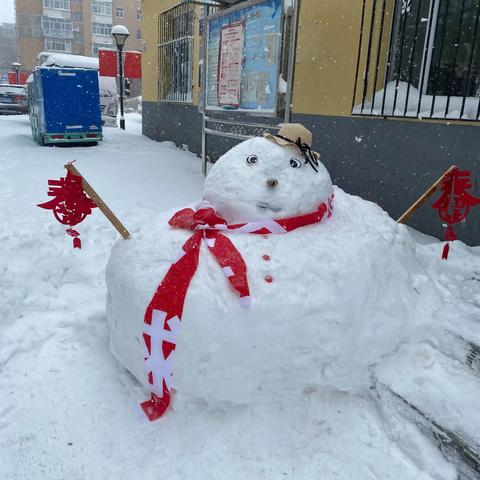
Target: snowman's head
<point x="259" y="179"/>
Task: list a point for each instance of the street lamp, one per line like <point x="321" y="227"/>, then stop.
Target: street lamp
<point x="120" y="34"/>
<point x="16" y="68"/>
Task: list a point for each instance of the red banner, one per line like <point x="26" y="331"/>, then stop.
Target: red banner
<point x="22" y="78"/>
<point x="133" y="64"/>
<point x="107" y="63"/>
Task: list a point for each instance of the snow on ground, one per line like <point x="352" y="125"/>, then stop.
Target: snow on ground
<point x="67" y="406"/>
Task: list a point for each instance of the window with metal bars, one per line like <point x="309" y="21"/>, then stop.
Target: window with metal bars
<point x="175" y="54"/>
<point x="419" y="58"/>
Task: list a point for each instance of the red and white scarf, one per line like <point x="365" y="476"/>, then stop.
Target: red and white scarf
<point x="164" y="312"/>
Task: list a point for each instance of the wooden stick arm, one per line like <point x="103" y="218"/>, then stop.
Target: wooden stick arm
<point x="423" y="198"/>
<point x="100" y="203"/>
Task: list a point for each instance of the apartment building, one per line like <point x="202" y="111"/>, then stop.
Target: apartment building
<point x="79" y="27"/>
<point x="8" y="52"/>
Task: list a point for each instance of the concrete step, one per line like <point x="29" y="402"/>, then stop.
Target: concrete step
<point x="473" y="357"/>
<point x="463" y="453"/>
<point x="460" y="348"/>
<point x="440" y="395"/>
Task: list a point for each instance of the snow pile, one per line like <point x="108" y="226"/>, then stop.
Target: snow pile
<point x="449" y="392"/>
<point x="66" y="404"/>
<point x="64" y="60"/>
<point x="120" y="29"/>
<point x="403" y="99"/>
<point x="133" y="104"/>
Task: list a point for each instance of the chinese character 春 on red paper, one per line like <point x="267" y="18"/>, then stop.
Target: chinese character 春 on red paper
<point x="70" y="204"/>
<point x="455" y="202"/>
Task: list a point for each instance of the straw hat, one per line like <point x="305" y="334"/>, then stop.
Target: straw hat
<point x="293" y="135"/>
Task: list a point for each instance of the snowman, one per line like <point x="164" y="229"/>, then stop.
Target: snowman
<point x="275" y="282"/>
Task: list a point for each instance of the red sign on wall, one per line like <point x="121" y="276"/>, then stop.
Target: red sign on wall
<point x="107" y="63"/>
<point x="22" y="78"/>
<point x="132" y="62"/>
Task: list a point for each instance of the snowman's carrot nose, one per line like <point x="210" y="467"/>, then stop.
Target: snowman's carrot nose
<point x="272" y="182"/>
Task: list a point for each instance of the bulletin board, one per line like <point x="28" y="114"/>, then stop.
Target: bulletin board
<point x="243" y="52"/>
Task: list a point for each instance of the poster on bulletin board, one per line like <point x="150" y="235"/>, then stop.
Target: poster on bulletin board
<point x="230" y="59"/>
<point x="243" y="58"/>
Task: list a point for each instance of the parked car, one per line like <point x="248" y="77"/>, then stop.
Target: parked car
<point x="13" y="99"/>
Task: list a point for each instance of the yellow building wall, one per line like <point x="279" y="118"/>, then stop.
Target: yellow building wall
<point x="150" y="11"/>
<point x="326" y="57"/>
<point x="328" y="38"/>
<point x="196" y="59"/>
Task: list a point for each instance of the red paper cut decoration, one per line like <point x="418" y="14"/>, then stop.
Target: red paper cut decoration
<point x="454" y="204"/>
<point x="70" y="205"/>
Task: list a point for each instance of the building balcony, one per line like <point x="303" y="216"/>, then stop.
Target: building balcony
<point x="101" y="18"/>
<point x="53" y="13"/>
<point x="101" y="39"/>
<point x="55" y="33"/>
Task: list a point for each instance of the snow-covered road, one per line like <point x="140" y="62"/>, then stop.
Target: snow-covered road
<point x="67" y="406"/>
<point x="59" y="386"/>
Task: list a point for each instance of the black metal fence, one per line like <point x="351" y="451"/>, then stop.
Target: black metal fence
<point x="175" y="49"/>
<point x="419" y="58"/>
<point x="175" y="54"/>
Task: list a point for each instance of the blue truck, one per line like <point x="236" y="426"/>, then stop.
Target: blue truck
<point x="64" y="105"/>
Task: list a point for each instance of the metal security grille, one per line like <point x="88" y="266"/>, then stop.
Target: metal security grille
<point x="419" y="58"/>
<point x="175" y="54"/>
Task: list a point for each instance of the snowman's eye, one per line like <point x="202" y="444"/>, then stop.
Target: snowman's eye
<point x="251" y="159"/>
<point x="294" y="163"/>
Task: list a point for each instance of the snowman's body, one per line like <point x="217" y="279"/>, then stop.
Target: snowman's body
<point x="322" y="309"/>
